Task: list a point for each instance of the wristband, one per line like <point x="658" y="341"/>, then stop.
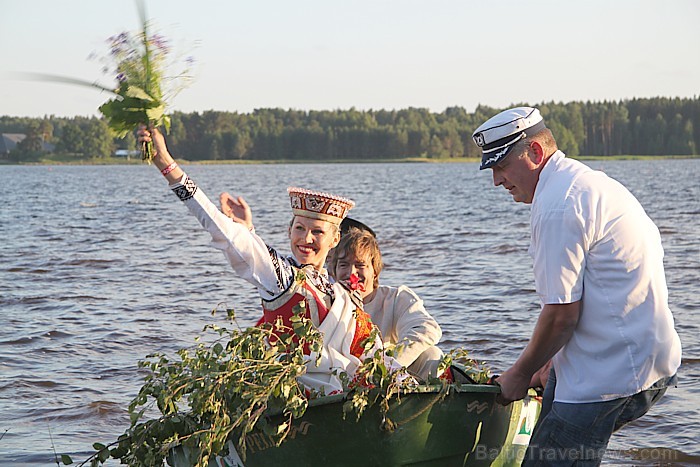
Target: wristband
<point x="169" y="168"/>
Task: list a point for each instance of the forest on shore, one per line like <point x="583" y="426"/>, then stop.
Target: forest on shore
<point x="654" y="126"/>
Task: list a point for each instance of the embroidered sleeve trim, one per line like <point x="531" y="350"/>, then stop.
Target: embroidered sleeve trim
<point x="283" y="270"/>
<point x="186" y="190"/>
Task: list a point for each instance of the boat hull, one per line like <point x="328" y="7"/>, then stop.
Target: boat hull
<point x="466" y="427"/>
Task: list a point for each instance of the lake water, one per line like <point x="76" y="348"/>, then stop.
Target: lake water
<point x="102" y="265"/>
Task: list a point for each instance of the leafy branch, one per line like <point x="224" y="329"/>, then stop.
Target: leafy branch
<point x="226" y="389"/>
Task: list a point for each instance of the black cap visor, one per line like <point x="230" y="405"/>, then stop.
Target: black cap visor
<point x="490" y="159"/>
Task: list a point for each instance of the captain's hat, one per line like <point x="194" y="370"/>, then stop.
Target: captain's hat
<point x="319" y="205"/>
<point x="497" y="136"/>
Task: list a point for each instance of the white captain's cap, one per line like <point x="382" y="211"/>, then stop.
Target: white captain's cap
<point x="497" y="136"/>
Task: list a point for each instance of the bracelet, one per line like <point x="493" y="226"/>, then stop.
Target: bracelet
<point x="169" y="168"/>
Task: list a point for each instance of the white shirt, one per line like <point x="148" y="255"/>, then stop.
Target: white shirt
<point x="592" y="241"/>
<point x="401" y="318"/>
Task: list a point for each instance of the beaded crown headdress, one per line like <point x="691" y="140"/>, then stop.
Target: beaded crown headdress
<point x="319" y="205"/>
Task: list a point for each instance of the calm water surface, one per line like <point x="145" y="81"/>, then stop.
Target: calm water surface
<point x="101" y="266"/>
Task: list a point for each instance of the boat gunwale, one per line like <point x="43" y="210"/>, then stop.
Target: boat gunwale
<point x="421" y="389"/>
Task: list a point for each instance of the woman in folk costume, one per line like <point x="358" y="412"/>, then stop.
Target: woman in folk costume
<point x="285" y="281"/>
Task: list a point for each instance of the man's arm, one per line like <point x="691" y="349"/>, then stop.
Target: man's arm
<point x="554" y="328"/>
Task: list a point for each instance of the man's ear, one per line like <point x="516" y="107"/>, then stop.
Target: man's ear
<point x="537" y="152"/>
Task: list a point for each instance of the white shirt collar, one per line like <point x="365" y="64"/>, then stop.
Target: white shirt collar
<point x="547" y="171"/>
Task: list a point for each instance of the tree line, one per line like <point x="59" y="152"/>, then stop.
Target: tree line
<point x="656" y="126"/>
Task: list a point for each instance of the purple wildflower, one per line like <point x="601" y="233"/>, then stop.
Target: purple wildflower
<point x="160" y="43"/>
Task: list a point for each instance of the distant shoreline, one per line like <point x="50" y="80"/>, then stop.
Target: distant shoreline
<point x="418" y="160"/>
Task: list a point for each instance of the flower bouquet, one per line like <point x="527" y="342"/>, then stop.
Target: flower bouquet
<point x="139" y="61"/>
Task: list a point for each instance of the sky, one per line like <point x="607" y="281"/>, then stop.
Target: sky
<point x="366" y="54"/>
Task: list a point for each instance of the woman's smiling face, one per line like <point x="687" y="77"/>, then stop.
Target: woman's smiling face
<point x="312" y="239"/>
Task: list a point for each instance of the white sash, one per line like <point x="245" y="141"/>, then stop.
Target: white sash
<point x="338" y="331"/>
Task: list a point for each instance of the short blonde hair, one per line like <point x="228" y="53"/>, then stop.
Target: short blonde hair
<point x="544" y="137"/>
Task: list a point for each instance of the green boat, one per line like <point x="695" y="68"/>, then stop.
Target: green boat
<point x="465" y="427"/>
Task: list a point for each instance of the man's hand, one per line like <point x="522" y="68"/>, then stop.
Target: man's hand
<point x="237" y="209"/>
<point x="539" y="379"/>
<point x="513" y="385"/>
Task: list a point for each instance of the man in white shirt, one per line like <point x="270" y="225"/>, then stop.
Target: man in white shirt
<point x="605" y="320"/>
